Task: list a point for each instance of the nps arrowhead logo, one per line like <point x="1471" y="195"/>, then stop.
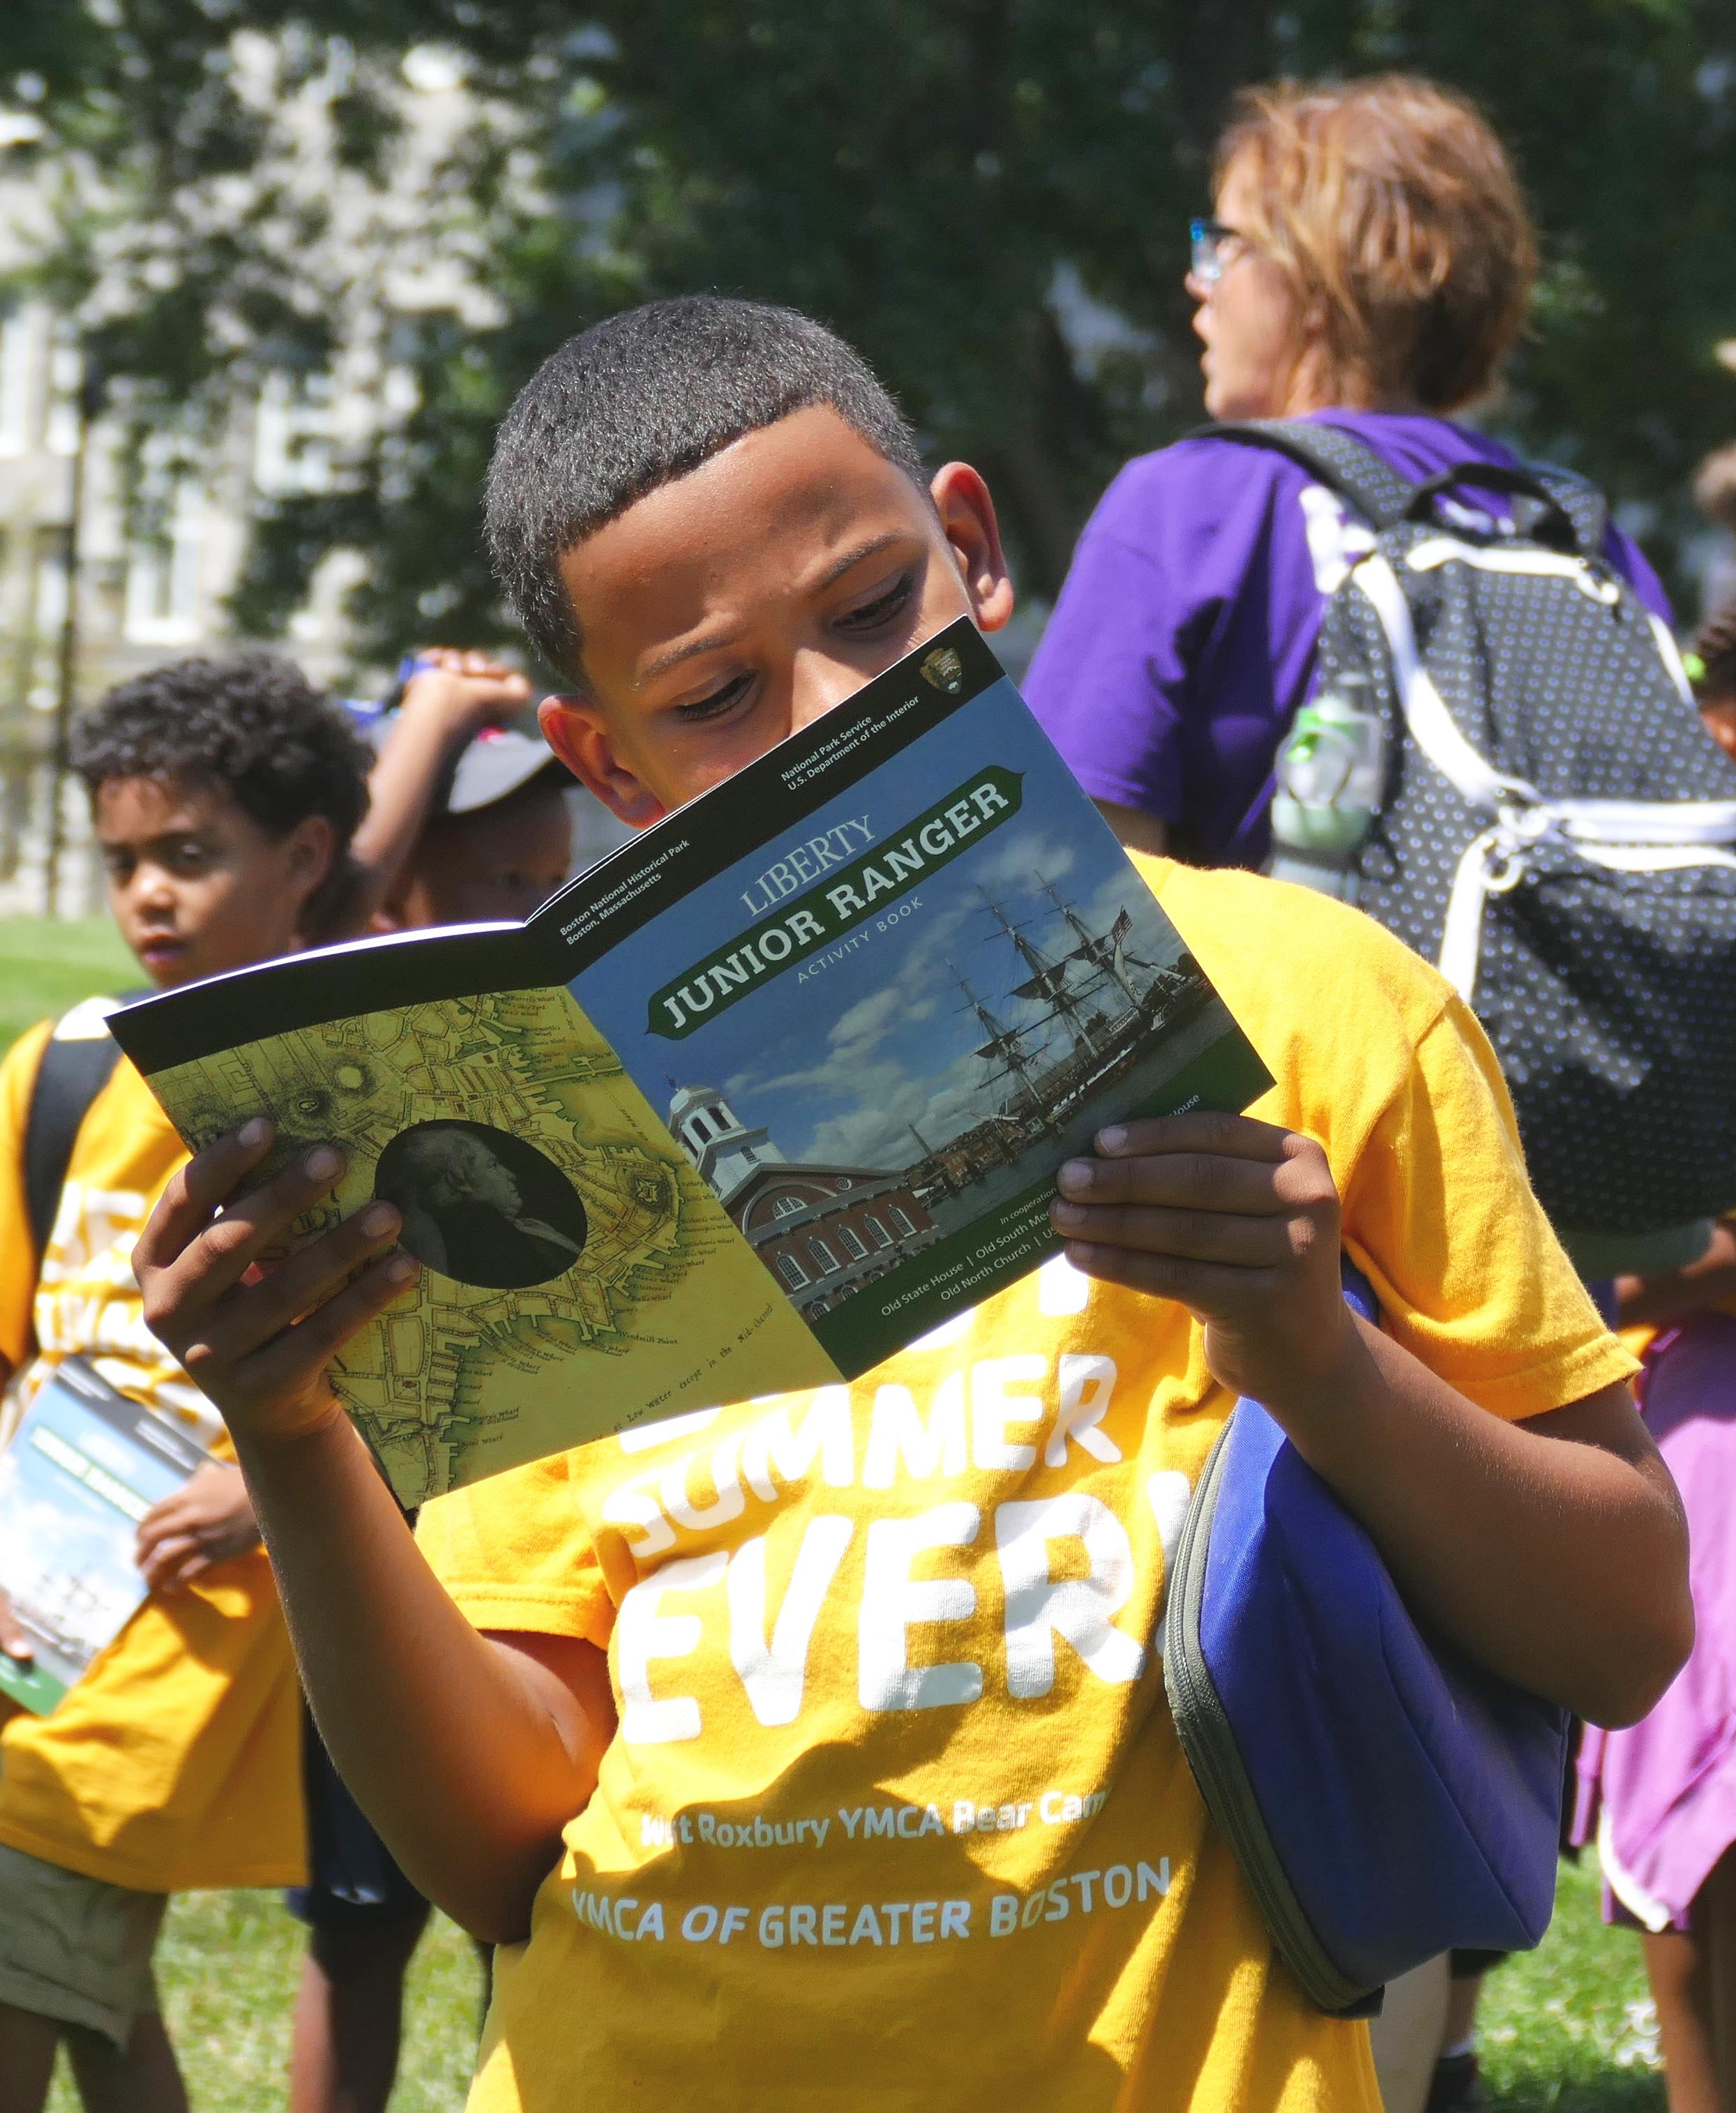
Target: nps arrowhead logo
<point x="945" y="670"/>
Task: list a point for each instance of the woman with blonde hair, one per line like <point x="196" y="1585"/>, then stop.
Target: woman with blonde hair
<point x="1370" y="263"/>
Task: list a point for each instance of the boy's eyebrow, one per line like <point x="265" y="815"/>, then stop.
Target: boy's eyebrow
<point x="677" y="654"/>
<point x="834" y="572"/>
<point x="872" y="548"/>
<point x="160" y="839"/>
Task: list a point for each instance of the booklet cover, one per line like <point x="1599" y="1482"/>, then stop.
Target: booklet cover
<point x="83" y="1467"/>
<point x="769" y="1093"/>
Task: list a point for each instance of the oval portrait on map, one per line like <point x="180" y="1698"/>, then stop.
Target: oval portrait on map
<point x="480" y="1205"/>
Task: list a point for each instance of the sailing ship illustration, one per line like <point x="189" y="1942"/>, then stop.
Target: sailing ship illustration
<point x="1097" y="1005"/>
<point x="1070" y="1011"/>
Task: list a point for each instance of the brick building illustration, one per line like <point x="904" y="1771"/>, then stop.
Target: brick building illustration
<point x="822" y="1232"/>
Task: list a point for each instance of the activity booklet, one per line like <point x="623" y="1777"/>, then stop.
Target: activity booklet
<point x="83" y="1467"/>
<point x="762" y="1096"/>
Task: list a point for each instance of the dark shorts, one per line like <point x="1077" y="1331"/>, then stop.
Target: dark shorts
<point x="1471" y="1965"/>
<point x="353" y="1882"/>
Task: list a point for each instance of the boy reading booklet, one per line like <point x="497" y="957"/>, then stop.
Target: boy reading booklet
<point x="814" y="1750"/>
<point x="225" y="794"/>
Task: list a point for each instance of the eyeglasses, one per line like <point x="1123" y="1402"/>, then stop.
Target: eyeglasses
<point x="1208" y="238"/>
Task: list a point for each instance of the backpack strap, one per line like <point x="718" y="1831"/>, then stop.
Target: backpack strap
<point x="78" y="1061"/>
<point x="1580" y="500"/>
<point x="1337" y="458"/>
<point x="1571" y="511"/>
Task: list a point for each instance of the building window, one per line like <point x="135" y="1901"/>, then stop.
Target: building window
<point x="65" y="371"/>
<point x="45" y="587"/>
<point x="292" y="434"/>
<point x="900" y="1221"/>
<point x="881" y="1237"/>
<point x="823" y="1254"/>
<point x="20" y="392"/>
<point x="854" y="1244"/>
<point x="786" y="1206"/>
<point x="162" y="573"/>
<point x="792" y="1271"/>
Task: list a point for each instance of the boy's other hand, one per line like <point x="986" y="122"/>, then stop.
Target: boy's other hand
<point x="258" y="1342"/>
<point x="1236" y="1219"/>
<point x="13" y="1640"/>
<point x="207" y="1521"/>
<point x="464" y="692"/>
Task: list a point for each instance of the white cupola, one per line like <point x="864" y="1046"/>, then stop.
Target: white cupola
<point x="722" y="1149"/>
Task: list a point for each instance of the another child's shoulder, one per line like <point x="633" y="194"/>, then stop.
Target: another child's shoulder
<point x="22" y="1061"/>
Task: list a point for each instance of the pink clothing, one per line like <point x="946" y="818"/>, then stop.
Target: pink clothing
<point x="1659" y="1798"/>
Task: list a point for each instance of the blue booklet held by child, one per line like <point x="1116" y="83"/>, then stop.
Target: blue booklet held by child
<point x="84" y="1465"/>
<point x="768" y="1093"/>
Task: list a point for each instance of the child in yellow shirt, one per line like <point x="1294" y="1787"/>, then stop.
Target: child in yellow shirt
<point x="814" y="1752"/>
<point x="224" y="793"/>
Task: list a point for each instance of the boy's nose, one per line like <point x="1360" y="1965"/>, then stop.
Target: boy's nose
<point x="817" y="683"/>
<point x="150" y="888"/>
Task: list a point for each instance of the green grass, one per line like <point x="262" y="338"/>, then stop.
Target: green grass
<point x="1564" y="2029"/>
<point x="1568" y="2027"/>
<point x="227" y="1968"/>
<point x="46" y="967"/>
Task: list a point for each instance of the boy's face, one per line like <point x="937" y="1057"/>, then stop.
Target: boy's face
<point x="496" y="864"/>
<point x="196" y="885"/>
<point x="733" y="606"/>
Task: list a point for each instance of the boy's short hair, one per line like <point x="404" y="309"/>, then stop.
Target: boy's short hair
<point x="639" y="399"/>
<point x="251" y="724"/>
<point x="1391" y="207"/>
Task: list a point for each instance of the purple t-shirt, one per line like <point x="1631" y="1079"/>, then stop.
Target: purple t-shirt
<point x="1184" y="637"/>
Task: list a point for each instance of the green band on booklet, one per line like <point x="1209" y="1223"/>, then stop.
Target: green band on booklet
<point x="24" y="1682"/>
<point x="831" y="912"/>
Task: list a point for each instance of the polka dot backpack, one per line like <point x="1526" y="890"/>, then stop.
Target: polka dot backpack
<point x="1556" y="830"/>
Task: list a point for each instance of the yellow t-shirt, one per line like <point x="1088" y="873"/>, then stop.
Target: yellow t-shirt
<point x="176" y="1761"/>
<point x="895" y="1816"/>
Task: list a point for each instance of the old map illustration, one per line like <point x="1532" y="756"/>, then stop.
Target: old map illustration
<point x="666" y="1309"/>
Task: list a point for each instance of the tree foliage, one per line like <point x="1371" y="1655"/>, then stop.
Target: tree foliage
<point x="989" y="196"/>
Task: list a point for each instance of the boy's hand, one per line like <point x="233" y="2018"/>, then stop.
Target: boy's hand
<point x="207" y="1521"/>
<point x="462" y="692"/>
<point x="13" y="1640"/>
<point x="258" y="1344"/>
<point x="1237" y="1221"/>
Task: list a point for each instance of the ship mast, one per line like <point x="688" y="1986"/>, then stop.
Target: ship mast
<point x="1048" y="980"/>
<point x="1103" y="951"/>
<point x="1005" y="1046"/>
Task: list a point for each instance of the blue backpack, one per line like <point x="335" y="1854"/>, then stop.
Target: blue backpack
<point x="1385" y="1799"/>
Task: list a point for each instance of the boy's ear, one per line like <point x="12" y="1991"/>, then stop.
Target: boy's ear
<point x="967" y="521"/>
<point x="576" y="732"/>
<point x="312" y="845"/>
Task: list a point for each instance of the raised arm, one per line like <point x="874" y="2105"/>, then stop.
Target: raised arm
<point x="446" y="704"/>
<point x="469" y="1754"/>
